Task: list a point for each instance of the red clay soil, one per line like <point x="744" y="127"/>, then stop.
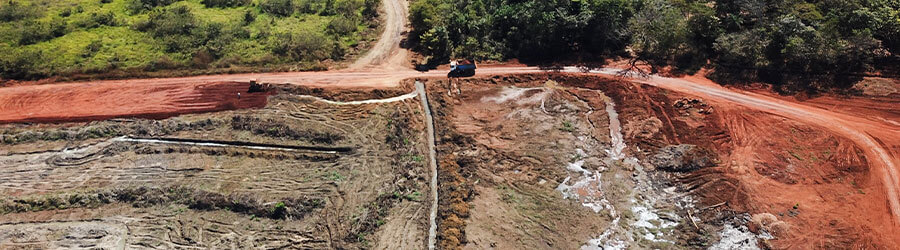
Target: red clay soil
<point x="818" y="181"/>
<point x="77" y="102"/>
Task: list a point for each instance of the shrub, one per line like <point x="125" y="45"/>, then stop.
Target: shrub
<point x="279" y="211"/>
<point x="225" y="3"/>
<point x="341" y="25"/>
<point x="137" y="6"/>
<point x="99" y="19"/>
<point x="19" y="63"/>
<point x="171" y="22"/>
<point x="370" y="9"/>
<point x="92" y="48"/>
<point x="347" y="7"/>
<point x="161" y="63"/>
<point x="34" y="32"/>
<point x="177" y="28"/>
<point x="303" y="46"/>
<point x="277" y="7"/>
<point x="249" y="17"/>
<point x="13" y="11"/>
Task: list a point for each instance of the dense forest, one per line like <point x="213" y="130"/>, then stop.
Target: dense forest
<point x="46" y="38"/>
<point x="811" y="44"/>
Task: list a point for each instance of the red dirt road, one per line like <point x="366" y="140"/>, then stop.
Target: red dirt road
<point x="166" y="97"/>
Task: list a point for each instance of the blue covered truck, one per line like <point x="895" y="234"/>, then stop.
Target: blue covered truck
<point x="462" y="68"/>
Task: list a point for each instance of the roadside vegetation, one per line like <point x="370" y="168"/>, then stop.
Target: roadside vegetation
<point x="796" y="44"/>
<point x="47" y="38"/>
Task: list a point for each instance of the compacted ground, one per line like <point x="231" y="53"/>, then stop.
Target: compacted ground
<point x="296" y="172"/>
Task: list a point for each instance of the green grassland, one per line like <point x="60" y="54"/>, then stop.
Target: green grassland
<point x="109" y="38"/>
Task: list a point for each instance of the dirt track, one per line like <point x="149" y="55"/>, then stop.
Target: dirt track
<point x="387" y="52"/>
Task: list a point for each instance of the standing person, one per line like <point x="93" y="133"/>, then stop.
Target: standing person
<point x="239" y="95"/>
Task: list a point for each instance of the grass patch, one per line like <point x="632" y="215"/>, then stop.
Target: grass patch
<point x="567" y="127"/>
<point x="74" y="38"/>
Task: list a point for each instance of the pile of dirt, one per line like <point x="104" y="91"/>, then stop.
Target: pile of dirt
<point x="693" y="105"/>
<point x="343" y="95"/>
<point x="145" y="196"/>
<point x="233" y="152"/>
<point x="876" y="86"/>
<point x="682" y="158"/>
<point x="453" y="208"/>
<point x="17" y="134"/>
<point x="277" y="129"/>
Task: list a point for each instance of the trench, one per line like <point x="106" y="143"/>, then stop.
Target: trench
<point x="615" y="132"/>
<point x="432" y="163"/>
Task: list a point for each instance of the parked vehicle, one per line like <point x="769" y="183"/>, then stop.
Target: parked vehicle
<point x="463" y="68"/>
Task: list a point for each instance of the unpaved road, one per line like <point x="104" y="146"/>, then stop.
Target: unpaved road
<point x="387" y="53"/>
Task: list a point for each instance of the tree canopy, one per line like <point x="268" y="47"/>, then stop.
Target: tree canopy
<point x="808" y="43"/>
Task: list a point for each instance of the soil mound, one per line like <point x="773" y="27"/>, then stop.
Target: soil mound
<point x="682" y="158"/>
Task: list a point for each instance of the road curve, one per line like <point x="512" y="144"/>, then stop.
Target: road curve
<point x="856" y="129"/>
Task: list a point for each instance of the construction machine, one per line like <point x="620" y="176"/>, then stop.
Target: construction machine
<point x="255" y="86"/>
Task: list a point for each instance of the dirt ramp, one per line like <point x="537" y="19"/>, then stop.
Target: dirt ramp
<point x="78" y="102"/>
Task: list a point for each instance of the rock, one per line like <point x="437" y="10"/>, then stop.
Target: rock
<point x="682" y="158"/>
<point x="769" y="223"/>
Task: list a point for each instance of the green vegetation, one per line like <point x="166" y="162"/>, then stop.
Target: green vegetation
<point x="193" y="198"/>
<point x="45" y="38"/>
<point x="795" y="44"/>
<point x="335" y="176"/>
<point x="567" y="127"/>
